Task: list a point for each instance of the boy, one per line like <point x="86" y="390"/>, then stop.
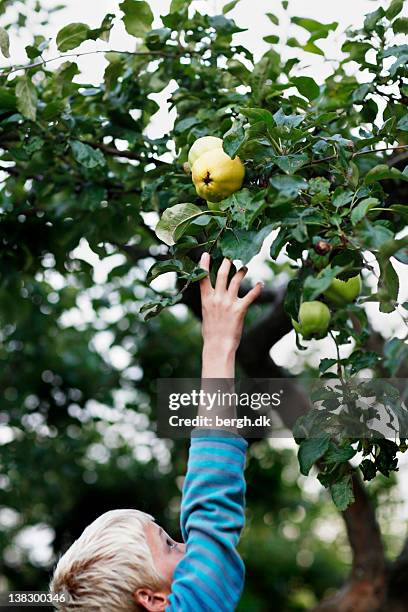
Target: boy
<point x="124" y="561"/>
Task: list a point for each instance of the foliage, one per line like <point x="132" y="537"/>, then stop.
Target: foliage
<point x="320" y="169"/>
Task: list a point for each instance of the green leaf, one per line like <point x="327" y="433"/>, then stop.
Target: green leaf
<point x="162" y="267"/>
<point x="272" y="39"/>
<point x="310" y="451"/>
<point x="359" y="212"/>
<point x="341" y="197"/>
<point x="256" y="115"/>
<point x="394" y="9"/>
<point x="342" y="493"/>
<point x="156" y="39"/>
<point x="8" y="100"/>
<point x="400" y="26"/>
<point x="138" y="17"/>
<point x="315" y="27"/>
<point x="273" y="18"/>
<point x="325" y="364"/>
<point x="290" y="163"/>
<point x="4" y="42"/>
<point x="279" y="242"/>
<point x="244" y="207"/>
<point x="307" y="87"/>
<point x="178" y="5"/>
<point x="381" y="172"/>
<point x="27" y="98"/>
<point x="103" y="32"/>
<point x="71" y="36"/>
<point x="293" y="298"/>
<point x="368" y="469"/>
<point x="288" y="186"/>
<point x="173" y="217"/>
<point x="243" y="245"/>
<point x="229" y="6"/>
<point x="234" y="138"/>
<point x="310" y="47"/>
<point x="403" y="123"/>
<point x="339" y="454"/>
<point x="86" y="155"/>
<point x="316" y="285"/>
<point x="152" y="309"/>
<point x="373" y="18"/>
<point x="360" y="360"/>
<point x="290" y="121"/>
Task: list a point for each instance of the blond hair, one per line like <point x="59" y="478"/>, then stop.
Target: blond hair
<point x="105" y="566"/>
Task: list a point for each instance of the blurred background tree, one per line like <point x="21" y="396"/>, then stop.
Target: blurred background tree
<point x="82" y="186"/>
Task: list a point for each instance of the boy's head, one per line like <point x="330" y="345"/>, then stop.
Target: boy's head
<point x="122" y="562"/>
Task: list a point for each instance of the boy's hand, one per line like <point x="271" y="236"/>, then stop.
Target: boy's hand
<point x="223" y="318"/>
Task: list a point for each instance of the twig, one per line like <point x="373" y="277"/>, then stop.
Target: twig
<point x="43" y="62"/>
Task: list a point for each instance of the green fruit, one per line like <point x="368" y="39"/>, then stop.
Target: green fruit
<point x="314" y="319"/>
<point x="341" y="292"/>
<point x="214" y="206"/>
<point x="203" y="145"/>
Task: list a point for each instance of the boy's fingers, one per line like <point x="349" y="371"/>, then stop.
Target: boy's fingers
<point x="205" y="283"/>
<point x="236" y="281"/>
<point x="252" y="295"/>
<point x="222" y="276"/>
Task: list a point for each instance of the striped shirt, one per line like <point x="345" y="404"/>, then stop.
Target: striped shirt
<point x="210" y="576"/>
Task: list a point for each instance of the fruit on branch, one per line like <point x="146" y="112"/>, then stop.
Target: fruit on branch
<point x="322" y="247"/>
<point x="214" y="206"/>
<point x="203" y="145"/>
<point x="341" y="292"/>
<point x="216" y="176"/>
<point x="313" y="320"/>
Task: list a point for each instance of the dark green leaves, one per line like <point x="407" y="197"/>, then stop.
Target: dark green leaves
<point x="359" y="212"/>
<point x="229" y="6"/>
<point x="403" y="123"/>
<point x="27" y="98"/>
<point x="289" y="121"/>
<point x="243" y="245"/>
<point x="234" y="138"/>
<point x="138" y="17"/>
<point x="316" y="285"/>
<point x="162" y="267"/>
<point x="71" y="36"/>
<point x="342" y="492"/>
<point x="307" y="87"/>
<point x="4" y="42"/>
<point x="244" y="207"/>
<point x="173" y="218"/>
<point x="382" y="172"/>
<point x="373" y="18"/>
<point x="288" y="186"/>
<point x="310" y="451"/>
<point x="394" y="9"/>
<point x="290" y="163"/>
<point x="400" y="26"/>
<point x="86" y="155"/>
<point x="156" y="39"/>
<point x="74" y="34"/>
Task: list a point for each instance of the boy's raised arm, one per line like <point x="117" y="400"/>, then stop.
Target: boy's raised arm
<point x="211" y="574"/>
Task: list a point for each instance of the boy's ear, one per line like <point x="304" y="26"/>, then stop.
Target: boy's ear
<point x="152" y="601"/>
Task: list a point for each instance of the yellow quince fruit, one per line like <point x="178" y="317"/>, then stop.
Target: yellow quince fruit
<point x="216" y="176"/>
<point x="203" y="145"/>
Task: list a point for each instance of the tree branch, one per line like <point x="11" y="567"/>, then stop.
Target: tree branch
<point x="365" y="590"/>
<point x="44" y="62"/>
<point x="109" y="150"/>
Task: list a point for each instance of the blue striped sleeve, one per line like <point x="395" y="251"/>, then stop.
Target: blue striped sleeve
<point x="210" y="576"/>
